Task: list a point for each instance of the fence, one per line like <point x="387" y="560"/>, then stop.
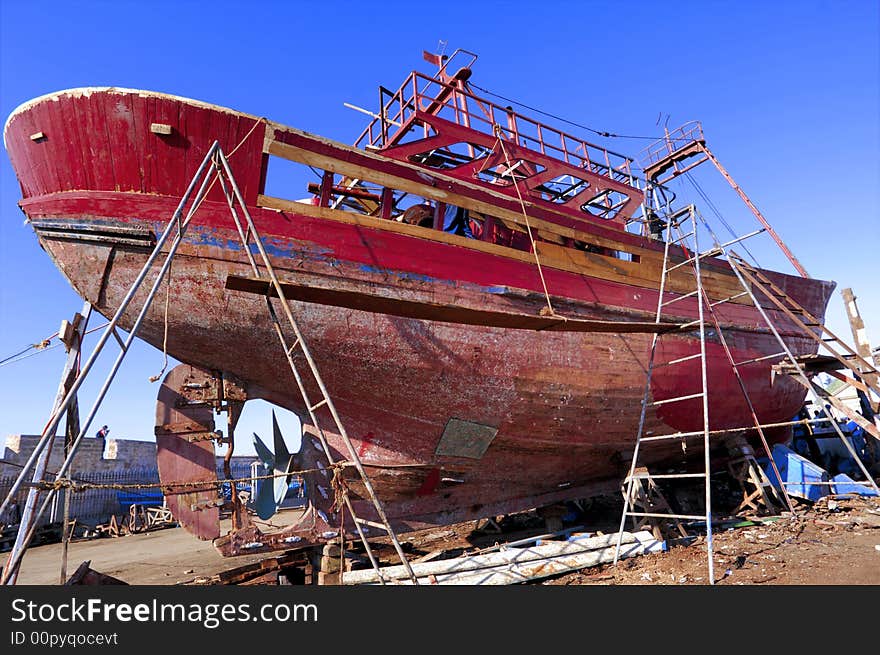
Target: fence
<point x="94" y="506"/>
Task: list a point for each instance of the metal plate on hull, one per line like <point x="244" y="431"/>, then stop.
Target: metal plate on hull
<point x="465" y="439"/>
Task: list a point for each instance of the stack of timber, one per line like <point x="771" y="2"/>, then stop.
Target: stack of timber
<point x="516" y="565"/>
<point x="263" y="572"/>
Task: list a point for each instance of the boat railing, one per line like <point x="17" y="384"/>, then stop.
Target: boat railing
<point x="421" y="95"/>
<point x="672" y="141"/>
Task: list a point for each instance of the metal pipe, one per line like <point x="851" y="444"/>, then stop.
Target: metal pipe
<point x="705" y="379"/>
<point x="15" y="561"/>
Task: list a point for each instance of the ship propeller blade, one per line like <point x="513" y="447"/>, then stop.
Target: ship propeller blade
<point x="271" y="493"/>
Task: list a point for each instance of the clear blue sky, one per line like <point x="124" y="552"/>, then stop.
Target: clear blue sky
<point x="787" y="92"/>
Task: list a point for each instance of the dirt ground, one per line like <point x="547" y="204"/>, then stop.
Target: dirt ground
<point x="834" y="542"/>
<point x="163" y="557"/>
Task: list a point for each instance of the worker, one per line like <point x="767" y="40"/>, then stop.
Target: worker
<point x="421" y="215"/>
<point x="656" y="225"/>
<point x="457" y="221"/>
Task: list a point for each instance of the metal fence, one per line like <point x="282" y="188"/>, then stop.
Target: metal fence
<point x="93" y="506"/>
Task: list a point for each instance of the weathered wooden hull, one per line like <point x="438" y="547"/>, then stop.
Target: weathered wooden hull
<point x="560" y="410"/>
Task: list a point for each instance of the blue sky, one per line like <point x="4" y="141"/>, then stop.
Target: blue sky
<point x="787" y="93"/>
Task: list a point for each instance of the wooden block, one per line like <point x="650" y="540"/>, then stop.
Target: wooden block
<point x="160" y="128"/>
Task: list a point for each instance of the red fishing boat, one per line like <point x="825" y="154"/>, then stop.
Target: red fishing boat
<point x="422" y="263"/>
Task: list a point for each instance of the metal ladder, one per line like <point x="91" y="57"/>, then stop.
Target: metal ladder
<point x="746" y="275"/>
<point x="214" y="161"/>
<point x="249" y="234"/>
<point x="751" y="474"/>
<point x="637" y="475"/>
<point x="750" y="279"/>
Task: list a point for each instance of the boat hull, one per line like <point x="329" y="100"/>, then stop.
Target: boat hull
<point x="452" y="421"/>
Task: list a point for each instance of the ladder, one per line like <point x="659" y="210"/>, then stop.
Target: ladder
<point x="638" y="475"/>
<point x="747" y="472"/>
<point x="249" y="234"/>
<point x="751" y="280"/>
<point x="214" y="165"/>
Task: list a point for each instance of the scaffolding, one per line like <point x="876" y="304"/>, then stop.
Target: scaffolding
<point x="676" y="154"/>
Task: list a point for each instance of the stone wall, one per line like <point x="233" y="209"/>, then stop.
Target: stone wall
<point x="94" y="455"/>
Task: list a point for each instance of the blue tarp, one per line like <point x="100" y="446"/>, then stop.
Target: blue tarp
<point x="846" y="485"/>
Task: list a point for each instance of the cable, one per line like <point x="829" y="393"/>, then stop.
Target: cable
<point x="717" y="213"/>
<point x="12" y="359"/>
<point x="564" y="120"/>
<point x="22" y="352"/>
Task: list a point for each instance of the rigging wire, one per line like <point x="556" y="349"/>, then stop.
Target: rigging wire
<point x="564" y="120"/>
<point x="38" y="346"/>
<point x="717" y="213"/>
<point x="41" y="347"/>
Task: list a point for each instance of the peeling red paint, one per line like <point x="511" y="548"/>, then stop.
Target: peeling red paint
<point x="565" y="404"/>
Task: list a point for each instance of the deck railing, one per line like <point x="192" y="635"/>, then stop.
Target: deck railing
<point x="675" y="140"/>
<point x="429" y="95"/>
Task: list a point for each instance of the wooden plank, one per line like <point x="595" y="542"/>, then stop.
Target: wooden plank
<point x="644" y="274"/>
<point x="438" y="194"/>
<point x="416" y="174"/>
<point x="439" y="312"/>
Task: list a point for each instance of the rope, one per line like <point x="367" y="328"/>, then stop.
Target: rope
<point x="340" y="488"/>
<point x="171" y="487"/>
<point x="564" y="120"/>
<point x="153" y="378"/>
<point x="498" y="132"/>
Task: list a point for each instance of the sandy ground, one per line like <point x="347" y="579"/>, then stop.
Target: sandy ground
<point x="163" y="557"/>
<point x="829" y="543"/>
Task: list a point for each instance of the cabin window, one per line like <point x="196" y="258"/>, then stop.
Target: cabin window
<point x="606" y="204"/>
<point x="503" y="175"/>
<point x="452" y="156"/>
<point x="561" y="188"/>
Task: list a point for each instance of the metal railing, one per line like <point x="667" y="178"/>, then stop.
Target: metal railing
<point x="428" y="95"/>
<point x="665" y="146"/>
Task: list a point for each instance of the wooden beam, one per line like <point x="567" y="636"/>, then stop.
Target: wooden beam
<point x="439" y="312"/>
<point x="644" y="274"/>
<point x="427" y="190"/>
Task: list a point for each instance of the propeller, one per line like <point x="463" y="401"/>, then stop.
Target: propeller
<point x="281" y="463"/>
